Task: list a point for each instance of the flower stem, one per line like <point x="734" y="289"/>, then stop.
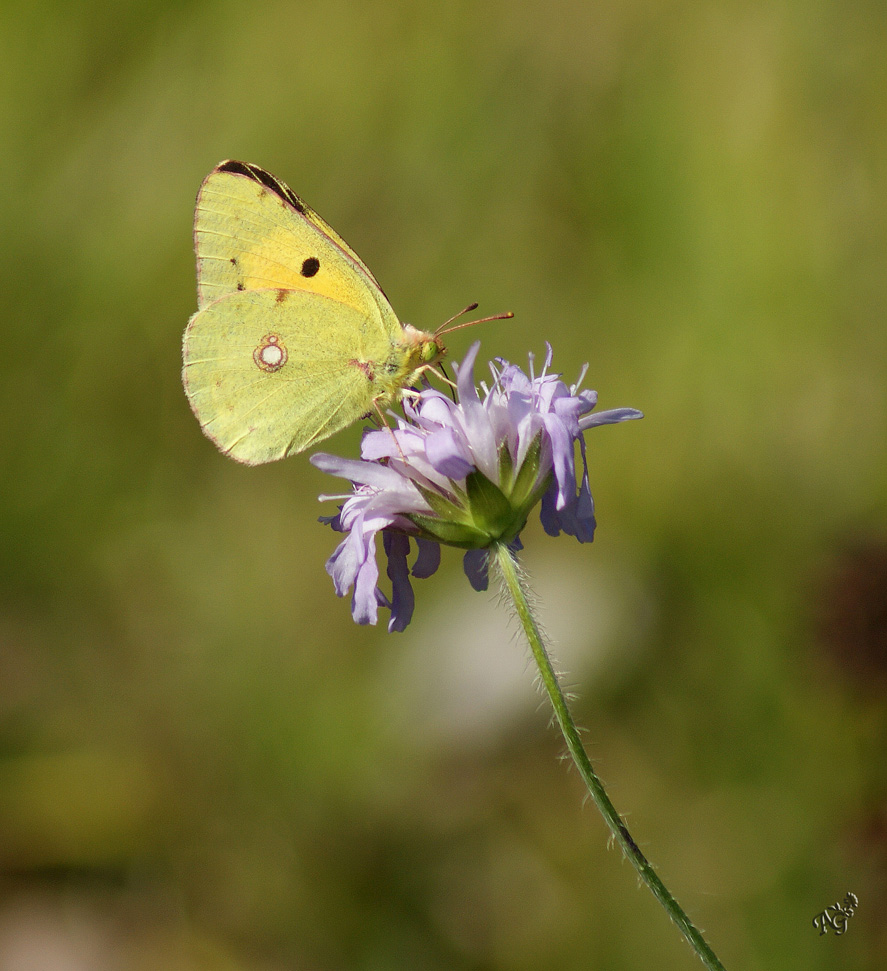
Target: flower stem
<point x="504" y="560"/>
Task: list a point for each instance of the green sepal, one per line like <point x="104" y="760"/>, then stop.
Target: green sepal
<point x="506" y="467"/>
<point x="444" y="507"/>
<point x="527" y="474"/>
<point x="461" y="535"/>
<point x="490" y="509"/>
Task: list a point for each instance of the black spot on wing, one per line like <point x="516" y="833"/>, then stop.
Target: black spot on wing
<point x="257" y="174"/>
<point x="310" y="266"/>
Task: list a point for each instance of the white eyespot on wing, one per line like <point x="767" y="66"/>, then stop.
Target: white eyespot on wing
<point x="271" y="354"/>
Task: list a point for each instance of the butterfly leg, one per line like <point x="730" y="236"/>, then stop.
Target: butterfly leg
<point x="384" y="421"/>
<point x="440" y="375"/>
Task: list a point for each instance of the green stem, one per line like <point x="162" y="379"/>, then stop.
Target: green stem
<point x="512" y="584"/>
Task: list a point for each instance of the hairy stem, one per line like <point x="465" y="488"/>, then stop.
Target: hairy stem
<point x="512" y="584"/>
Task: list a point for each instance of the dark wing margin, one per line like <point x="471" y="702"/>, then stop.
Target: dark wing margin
<point x="263" y="178"/>
<point x="283" y="192"/>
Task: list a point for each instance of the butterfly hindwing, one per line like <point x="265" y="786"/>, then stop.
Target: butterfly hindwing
<point x="266" y="379"/>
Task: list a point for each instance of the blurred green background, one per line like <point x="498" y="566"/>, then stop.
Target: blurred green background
<point x="203" y="763"/>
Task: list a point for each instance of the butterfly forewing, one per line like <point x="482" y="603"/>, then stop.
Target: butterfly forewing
<point x="252" y="232"/>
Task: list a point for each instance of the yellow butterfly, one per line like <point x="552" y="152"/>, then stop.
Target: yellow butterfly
<point x="293" y="338"/>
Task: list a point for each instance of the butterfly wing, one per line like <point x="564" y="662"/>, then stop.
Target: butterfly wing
<point x="251" y="231"/>
<point x="271" y="372"/>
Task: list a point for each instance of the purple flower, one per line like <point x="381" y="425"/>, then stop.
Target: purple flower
<point x="464" y="475"/>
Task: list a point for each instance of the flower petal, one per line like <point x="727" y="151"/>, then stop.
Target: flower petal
<point x="447" y="454"/>
<point x="427" y="560"/>
<point x="610" y="417"/>
<point x="397" y="546"/>
<point x="548" y="513"/>
<point x="562" y="458"/>
<point x="477" y="422"/>
<point x="364" y="605"/>
<point x="364" y="473"/>
<point x="345" y="562"/>
<point x="475" y="563"/>
<point x="464" y="474"/>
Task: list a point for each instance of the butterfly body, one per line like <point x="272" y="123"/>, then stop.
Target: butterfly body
<point x="293" y="339"/>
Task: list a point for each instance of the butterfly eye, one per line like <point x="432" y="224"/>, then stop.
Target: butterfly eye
<point x="310" y="266"/>
<point x="270" y="355"/>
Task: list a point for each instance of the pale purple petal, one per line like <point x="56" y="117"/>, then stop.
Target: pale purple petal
<point x="434" y="409"/>
<point x="364" y="605"/>
<point x="391" y="443"/>
<point x="609" y="417"/>
<point x="568" y="409"/>
<point x="465" y="376"/>
<point x="346" y="561"/>
<point x="514" y="381"/>
<point x="369" y="514"/>
<point x="447" y="454"/>
<point x="477" y="422"/>
<point x="434" y="447"/>
<point x="378" y="476"/>
<point x="588" y="401"/>
<point x="578" y="518"/>
<point x="562" y="457"/>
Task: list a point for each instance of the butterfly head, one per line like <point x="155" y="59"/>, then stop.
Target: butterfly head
<point x="425" y="349"/>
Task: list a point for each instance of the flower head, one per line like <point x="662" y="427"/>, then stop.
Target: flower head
<point x="464" y="475"/>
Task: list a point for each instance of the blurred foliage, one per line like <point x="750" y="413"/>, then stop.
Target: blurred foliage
<point x="203" y="763"/>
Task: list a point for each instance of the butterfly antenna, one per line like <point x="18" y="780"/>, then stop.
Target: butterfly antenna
<point x="467" y="310"/>
<point x="443" y="329"/>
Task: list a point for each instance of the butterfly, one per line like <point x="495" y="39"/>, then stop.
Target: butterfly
<point x="293" y="338"/>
